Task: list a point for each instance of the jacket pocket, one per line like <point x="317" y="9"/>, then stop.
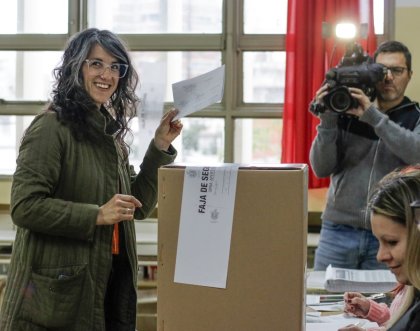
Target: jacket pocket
<point x="53" y="296"/>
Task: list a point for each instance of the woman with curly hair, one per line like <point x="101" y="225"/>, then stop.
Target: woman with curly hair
<point x="75" y="196"/>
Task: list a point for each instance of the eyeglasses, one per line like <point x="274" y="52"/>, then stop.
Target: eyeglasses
<point x="98" y="67"/>
<point x="397" y="71"/>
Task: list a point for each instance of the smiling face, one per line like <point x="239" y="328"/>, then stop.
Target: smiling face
<point x="392" y="238"/>
<point x="100" y="87"/>
<point x="391" y="90"/>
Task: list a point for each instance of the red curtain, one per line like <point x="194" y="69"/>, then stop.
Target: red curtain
<point x="308" y="57"/>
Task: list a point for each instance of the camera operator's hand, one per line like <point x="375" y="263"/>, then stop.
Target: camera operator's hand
<point x="317" y="106"/>
<point x="321" y="93"/>
<point x="362" y="99"/>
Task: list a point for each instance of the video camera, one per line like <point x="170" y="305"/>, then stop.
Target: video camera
<point x="356" y="69"/>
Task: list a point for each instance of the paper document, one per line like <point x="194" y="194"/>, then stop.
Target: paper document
<point x="325" y="302"/>
<point x="336" y="307"/>
<point x="366" y="281"/>
<point x="205" y="228"/>
<point x="324" y="298"/>
<point x="335" y="322"/>
<point x="199" y="92"/>
<point x="312" y="299"/>
<point x="315" y="280"/>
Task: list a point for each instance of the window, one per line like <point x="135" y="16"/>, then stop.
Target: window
<point x="156" y="16"/>
<point x="27" y="75"/>
<point x="28" y="17"/>
<point x="265" y="17"/>
<point x="264" y="77"/>
<point x="174" y="40"/>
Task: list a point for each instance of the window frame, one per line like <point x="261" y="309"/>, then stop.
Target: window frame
<point x="232" y="43"/>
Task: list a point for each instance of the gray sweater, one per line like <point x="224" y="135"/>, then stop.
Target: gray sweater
<point x="357" y="153"/>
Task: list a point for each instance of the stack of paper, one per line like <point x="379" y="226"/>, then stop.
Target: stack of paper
<point x="335" y="325"/>
<point x="365" y="281"/>
<point x="338" y="320"/>
<point x="315" y="280"/>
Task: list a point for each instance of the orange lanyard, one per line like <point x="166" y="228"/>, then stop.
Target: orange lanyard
<point x="115" y="240"/>
<point x="115" y="233"/>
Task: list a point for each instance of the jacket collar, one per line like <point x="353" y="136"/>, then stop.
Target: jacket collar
<point x="103" y="121"/>
<point x="406" y="102"/>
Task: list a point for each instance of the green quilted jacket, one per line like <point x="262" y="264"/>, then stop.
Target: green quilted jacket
<point x="61" y="259"/>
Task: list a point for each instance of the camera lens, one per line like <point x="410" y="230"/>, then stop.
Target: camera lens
<point x="341" y="101"/>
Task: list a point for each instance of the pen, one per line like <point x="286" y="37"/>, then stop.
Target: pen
<point x="330" y="296"/>
<point x="326" y="303"/>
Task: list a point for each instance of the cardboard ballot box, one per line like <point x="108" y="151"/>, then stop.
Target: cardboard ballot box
<point x="265" y="287"/>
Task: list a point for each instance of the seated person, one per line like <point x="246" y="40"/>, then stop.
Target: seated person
<point x="394" y="225"/>
<point x="358" y="305"/>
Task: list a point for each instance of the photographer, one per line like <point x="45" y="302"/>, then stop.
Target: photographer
<point x="356" y="148"/>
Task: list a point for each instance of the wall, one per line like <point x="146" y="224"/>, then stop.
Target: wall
<point x="5" y="185"/>
<point x="407" y="25"/>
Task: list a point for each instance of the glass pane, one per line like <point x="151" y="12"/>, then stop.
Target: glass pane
<point x="176" y="66"/>
<point x="258" y="140"/>
<point x="7" y="144"/>
<point x="27" y="75"/>
<point x="265" y="16"/>
<point x="378" y="13"/>
<point x="156" y="16"/>
<point x="201" y="141"/>
<point x="34" y="16"/>
<point x="264" y="76"/>
<point x="11" y="131"/>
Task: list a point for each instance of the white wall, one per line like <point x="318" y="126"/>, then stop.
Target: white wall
<point x="407" y="25"/>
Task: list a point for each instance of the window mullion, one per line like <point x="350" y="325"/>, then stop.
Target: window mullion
<point x="230" y="58"/>
<point x="77" y="16"/>
<point x="174" y="42"/>
<point x="32" y="42"/>
<point x="21" y="108"/>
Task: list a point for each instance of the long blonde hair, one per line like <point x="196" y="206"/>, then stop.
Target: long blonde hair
<point x="392" y="198"/>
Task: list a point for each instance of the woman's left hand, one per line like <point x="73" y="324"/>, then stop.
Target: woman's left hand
<point x="167" y="130"/>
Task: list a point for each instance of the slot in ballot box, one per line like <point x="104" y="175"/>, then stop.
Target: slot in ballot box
<point x="265" y="284"/>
